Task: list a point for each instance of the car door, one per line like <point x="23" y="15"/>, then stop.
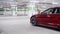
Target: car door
<point x="55" y="18"/>
<point x="57" y="15"/>
<point x="44" y="17"/>
<point x="51" y="17"/>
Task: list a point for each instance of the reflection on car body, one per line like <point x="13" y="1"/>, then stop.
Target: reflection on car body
<point x="49" y="17"/>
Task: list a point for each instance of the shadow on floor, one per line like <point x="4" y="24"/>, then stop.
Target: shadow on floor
<point x="49" y="28"/>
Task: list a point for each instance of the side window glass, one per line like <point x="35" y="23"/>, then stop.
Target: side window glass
<point x="49" y="11"/>
<point x="45" y="12"/>
<point x="58" y="11"/>
<point x="55" y="11"/>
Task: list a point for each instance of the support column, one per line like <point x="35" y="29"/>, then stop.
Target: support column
<point x="14" y="10"/>
<point x="32" y="7"/>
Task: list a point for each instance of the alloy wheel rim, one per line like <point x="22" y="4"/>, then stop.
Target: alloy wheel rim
<point x="33" y="21"/>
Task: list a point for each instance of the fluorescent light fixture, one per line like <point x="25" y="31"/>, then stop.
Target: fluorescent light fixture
<point x="43" y="6"/>
<point x="55" y="3"/>
<point x="44" y="0"/>
<point x="34" y="1"/>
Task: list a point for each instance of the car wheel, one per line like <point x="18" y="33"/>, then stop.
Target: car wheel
<point x="33" y="21"/>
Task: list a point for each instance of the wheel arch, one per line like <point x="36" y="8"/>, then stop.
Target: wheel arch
<point x="33" y="16"/>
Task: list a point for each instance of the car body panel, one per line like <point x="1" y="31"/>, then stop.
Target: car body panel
<point x="51" y="20"/>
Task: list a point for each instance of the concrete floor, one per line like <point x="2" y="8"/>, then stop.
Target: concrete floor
<point x="21" y="25"/>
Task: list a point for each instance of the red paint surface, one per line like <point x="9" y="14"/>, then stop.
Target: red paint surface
<point x="48" y="19"/>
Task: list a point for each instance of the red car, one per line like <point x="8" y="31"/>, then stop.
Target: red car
<point x="49" y="17"/>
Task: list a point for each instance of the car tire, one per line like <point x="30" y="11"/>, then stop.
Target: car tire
<point x="33" y="21"/>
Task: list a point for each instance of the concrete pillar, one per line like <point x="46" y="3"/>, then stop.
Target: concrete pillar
<point x="4" y="11"/>
<point x="32" y="8"/>
<point x="14" y="10"/>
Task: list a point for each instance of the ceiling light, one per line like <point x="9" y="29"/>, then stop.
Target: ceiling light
<point x="55" y="3"/>
<point x="34" y="1"/>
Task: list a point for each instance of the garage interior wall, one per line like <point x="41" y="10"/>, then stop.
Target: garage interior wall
<point x="25" y="7"/>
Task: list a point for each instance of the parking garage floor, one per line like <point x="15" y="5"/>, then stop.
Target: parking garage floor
<point x="21" y="25"/>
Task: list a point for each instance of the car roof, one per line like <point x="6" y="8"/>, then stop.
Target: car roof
<point x="55" y="7"/>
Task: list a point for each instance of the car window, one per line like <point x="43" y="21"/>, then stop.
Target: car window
<point x="58" y="10"/>
<point x="48" y="11"/>
<point x="55" y="11"/>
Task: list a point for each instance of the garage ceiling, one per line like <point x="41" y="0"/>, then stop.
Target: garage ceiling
<point x="38" y="0"/>
<point x="6" y="3"/>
